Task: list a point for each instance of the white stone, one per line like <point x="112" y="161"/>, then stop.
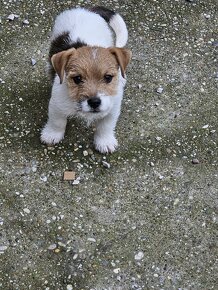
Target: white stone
<point x="43" y="178"/>
<point x="11" y="17"/>
<point x="52" y="247"/>
<point x="85" y="153"/>
<point x="106" y="164"/>
<point x="91" y="240"/>
<point x="139" y="256"/>
<point x="3" y="248"/>
<point x="160" y="90"/>
<point x="205" y="126"/>
<point x="117" y="270"/>
<point x="76" y="181"/>
<point x="26" y="210"/>
<point x="33" y="61"/>
<point x="26" y="22"/>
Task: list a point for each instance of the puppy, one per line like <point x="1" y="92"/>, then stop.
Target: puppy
<point x="88" y="73"/>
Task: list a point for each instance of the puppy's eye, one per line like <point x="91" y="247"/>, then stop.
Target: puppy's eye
<point x="77" y="79"/>
<point x="108" y="78"/>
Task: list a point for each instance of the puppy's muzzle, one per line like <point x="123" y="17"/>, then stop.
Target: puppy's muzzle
<point x="94" y="102"/>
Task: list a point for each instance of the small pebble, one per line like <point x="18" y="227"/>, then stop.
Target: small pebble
<point x="158" y="138"/>
<point x="33" y="61"/>
<point x="43" y="178"/>
<point x="26" y="22"/>
<point x="69" y="287"/>
<point x="50" y="148"/>
<point x="117" y="270"/>
<point x="2" y="249"/>
<point x="195" y="161"/>
<point x="207" y="16"/>
<point x="1" y="221"/>
<point x="160" y="90"/>
<point x="139" y="256"/>
<point x="176" y="201"/>
<point x="90" y="151"/>
<point x="34" y="169"/>
<point x="85" y="153"/>
<point x="61" y="244"/>
<point x="106" y="164"/>
<point x="76" y="181"/>
<point x="75" y="256"/>
<point x="91" y="240"/>
<point x="139" y="86"/>
<point x="52" y="247"/>
<point x="215" y="43"/>
<point x="11" y="17"/>
<point x="205" y="126"/>
<point x="26" y="210"/>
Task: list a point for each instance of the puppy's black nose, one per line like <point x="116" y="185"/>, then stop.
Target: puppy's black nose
<point x="94" y="102"/>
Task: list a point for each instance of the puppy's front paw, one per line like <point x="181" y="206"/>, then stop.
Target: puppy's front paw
<point x="50" y="136"/>
<point x="106" y="144"/>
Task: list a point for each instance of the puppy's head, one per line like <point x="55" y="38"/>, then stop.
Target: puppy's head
<point x="92" y="76"/>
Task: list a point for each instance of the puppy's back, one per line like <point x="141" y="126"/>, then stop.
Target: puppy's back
<point x="84" y="26"/>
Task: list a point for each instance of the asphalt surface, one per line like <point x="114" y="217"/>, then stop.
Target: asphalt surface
<point x="144" y="217"/>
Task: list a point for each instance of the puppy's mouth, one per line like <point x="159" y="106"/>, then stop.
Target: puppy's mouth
<point x="89" y="111"/>
<point x="95" y="111"/>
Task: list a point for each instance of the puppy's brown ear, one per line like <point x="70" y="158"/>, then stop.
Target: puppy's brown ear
<point x="122" y="56"/>
<point x="59" y="61"/>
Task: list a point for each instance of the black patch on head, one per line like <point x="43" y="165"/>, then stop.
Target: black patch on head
<point x="60" y="43"/>
<point x="105" y="13"/>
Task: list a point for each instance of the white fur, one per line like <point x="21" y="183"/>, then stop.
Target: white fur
<point x="119" y="27"/>
<point x="93" y="30"/>
<point x="85" y="25"/>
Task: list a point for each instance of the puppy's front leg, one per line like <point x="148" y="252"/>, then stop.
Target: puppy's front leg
<point x="104" y="138"/>
<point x="54" y="130"/>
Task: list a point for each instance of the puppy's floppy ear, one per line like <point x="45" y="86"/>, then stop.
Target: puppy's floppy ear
<point x="122" y="56"/>
<point x="59" y="61"/>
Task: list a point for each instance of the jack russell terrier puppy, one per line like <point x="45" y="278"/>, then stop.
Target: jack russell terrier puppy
<point x="88" y="73"/>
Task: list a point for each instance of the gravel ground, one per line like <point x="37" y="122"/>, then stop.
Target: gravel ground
<point x="144" y="217"/>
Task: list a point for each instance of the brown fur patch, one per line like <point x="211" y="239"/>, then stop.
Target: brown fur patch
<point x="92" y="64"/>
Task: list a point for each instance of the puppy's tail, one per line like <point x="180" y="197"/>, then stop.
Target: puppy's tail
<point x="116" y="22"/>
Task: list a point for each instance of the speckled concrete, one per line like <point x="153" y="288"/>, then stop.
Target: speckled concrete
<point x="150" y="220"/>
